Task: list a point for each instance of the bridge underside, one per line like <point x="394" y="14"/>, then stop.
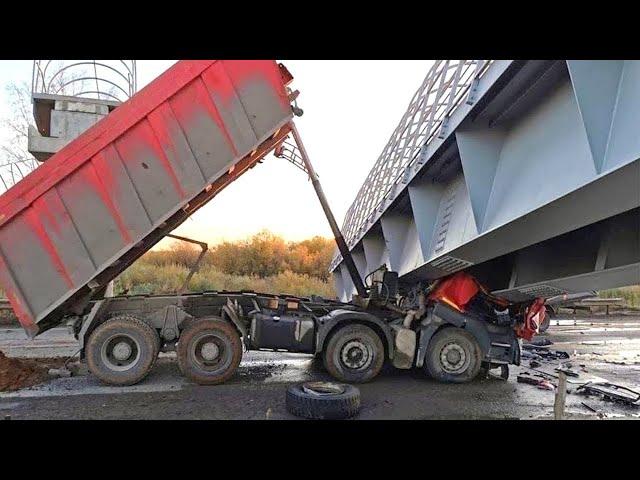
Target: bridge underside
<point x="535" y="189"/>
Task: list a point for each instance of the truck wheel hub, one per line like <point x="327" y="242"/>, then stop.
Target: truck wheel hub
<point x="356" y="355"/>
<point x="453" y="358"/>
<point x="210" y="351"/>
<point x="122" y="351"/>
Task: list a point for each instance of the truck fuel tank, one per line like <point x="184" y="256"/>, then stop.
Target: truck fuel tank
<point x="294" y="333"/>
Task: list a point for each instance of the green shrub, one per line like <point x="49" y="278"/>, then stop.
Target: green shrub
<point x="144" y="278"/>
<point x="630" y="294"/>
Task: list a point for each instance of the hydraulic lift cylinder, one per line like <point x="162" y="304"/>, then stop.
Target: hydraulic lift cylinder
<point x="342" y="245"/>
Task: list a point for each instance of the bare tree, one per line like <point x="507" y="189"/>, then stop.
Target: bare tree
<point x="15" y="159"/>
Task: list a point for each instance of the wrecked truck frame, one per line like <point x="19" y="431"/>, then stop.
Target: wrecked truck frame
<point x="288" y="323"/>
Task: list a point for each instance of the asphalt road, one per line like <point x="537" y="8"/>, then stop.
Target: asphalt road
<point x="608" y="347"/>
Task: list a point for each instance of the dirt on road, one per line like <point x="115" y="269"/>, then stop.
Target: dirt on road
<point x="17" y="373"/>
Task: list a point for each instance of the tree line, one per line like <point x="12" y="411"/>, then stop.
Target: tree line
<point x="263" y="255"/>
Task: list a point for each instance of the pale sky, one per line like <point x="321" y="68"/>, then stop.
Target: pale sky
<point x="350" y="110"/>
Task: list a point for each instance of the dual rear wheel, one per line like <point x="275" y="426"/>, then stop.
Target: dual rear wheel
<point x="123" y="350"/>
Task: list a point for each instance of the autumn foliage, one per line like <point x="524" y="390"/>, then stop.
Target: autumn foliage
<point x="264" y="262"/>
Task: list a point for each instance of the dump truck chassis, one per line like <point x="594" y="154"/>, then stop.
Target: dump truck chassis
<point x="291" y="324"/>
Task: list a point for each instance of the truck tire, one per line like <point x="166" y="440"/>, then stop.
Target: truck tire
<point x="323" y="401"/>
<point x="354" y="354"/>
<point x="209" y="351"/>
<point x="122" y="350"/>
<point x="453" y="356"/>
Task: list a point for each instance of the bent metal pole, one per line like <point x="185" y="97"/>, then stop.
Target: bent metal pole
<point x="342" y="245"/>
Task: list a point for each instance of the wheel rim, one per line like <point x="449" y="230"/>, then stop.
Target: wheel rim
<point x="356" y="354"/>
<point x="454" y="358"/>
<point x="120" y="352"/>
<point x="210" y="352"/>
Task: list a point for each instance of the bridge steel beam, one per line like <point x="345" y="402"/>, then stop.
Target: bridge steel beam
<point x="541" y="149"/>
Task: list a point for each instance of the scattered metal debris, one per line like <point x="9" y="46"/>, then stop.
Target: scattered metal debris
<point x="538" y="382"/>
<point x="567" y="371"/>
<point x="546" y="385"/>
<point x="542" y="352"/>
<point x="611" y="392"/>
<point x="539" y="342"/>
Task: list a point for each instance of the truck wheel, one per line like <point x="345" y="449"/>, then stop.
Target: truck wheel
<point x="209" y="351"/>
<point x="323" y="400"/>
<point x="354" y="354"/>
<point x="122" y="350"/>
<point x="453" y="355"/>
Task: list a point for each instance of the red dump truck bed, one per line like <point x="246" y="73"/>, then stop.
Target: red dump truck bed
<point x="80" y="219"/>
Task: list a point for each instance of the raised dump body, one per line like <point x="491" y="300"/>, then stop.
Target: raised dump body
<point x="75" y="223"/>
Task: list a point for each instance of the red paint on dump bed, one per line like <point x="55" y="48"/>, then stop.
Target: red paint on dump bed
<point x="104" y="175"/>
<point x="100" y="135"/>
<point x="33" y="220"/>
<point x="90" y="175"/>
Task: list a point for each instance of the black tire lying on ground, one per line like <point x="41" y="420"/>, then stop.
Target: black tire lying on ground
<point x="323" y="400"/>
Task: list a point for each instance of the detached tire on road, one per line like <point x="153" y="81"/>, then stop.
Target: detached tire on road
<point x="122" y="350"/>
<point x="453" y="356"/>
<point x="209" y="351"/>
<point x="323" y="401"/>
<point x="354" y="354"/>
